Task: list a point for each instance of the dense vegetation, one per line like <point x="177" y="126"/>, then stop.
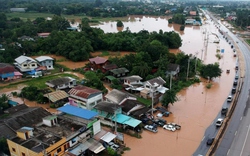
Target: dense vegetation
<point x="73" y="45"/>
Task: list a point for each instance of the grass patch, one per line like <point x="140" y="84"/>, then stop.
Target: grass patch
<point x="105" y="53"/>
<point x="40" y="81"/>
<point x="248" y="41"/>
<point x="147" y="102"/>
<point x="208" y="86"/>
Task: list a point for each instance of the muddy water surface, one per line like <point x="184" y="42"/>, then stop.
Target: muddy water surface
<point x="197" y="106"/>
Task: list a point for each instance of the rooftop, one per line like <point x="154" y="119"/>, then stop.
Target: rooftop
<point x="43" y="58"/>
<point x="107" y="106"/>
<point x="116" y="96"/>
<point x="98" y="60"/>
<point x="84" y="91"/>
<point x="60" y="81"/>
<point x="21" y="59"/>
<point x="56" y="95"/>
<point x="119" y="71"/>
<point x="133" y="78"/>
<point x="156" y="81"/>
<point x="79" y="112"/>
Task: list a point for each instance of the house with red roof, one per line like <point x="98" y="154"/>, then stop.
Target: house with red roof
<point x="85" y="97"/>
<point x="98" y="62"/>
<point x="6" y="71"/>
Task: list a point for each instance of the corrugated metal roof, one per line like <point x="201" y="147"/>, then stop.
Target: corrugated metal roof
<point x="79" y="112"/>
<point x="119" y="71"/>
<point x="83" y="91"/>
<point x="22" y="59"/>
<point x="56" y="96"/>
<point x="43" y="58"/>
<point x="98" y="60"/>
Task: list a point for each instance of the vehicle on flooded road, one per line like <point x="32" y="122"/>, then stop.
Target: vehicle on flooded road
<point x="210" y="141"/>
<point x="151" y="128"/>
<point x="219" y="122"/>
<point x="169" y="127"/>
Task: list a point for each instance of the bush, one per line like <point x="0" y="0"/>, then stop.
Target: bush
<point x="119" y="24"/>
<point x="182" y="28"/>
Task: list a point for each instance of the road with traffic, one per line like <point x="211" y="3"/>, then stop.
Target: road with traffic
<point x="212" y="130"/>
<point x="236" y="139"/>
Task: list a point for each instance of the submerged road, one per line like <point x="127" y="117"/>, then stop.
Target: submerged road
<point x="236" y="140"/>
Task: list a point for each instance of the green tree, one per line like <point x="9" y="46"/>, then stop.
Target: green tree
<point x="92" y="80"/>
<point x="119" y="24"/>
<point x="210" y="71"/>
<point x="4" y="146"/>
<point x="4" y="101"/>
<point x="169" y="98"/>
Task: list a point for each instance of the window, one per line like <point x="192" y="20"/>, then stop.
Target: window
<point x="23" y="154"/>
<point x="13" y="149"/>
<point x="25" y="65"/>
<point x="59" y="150"/>
<point x="33" y="65"/>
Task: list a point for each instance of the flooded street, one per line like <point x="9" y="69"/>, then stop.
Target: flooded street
<point x="197" y="106"/>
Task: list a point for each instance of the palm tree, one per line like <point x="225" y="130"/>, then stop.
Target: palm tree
<point x="169" y="97"/>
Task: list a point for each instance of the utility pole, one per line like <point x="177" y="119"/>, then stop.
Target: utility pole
<point x="170" y="82"/>
<point x="152" y="107"/>
<point x="188" y="68"/>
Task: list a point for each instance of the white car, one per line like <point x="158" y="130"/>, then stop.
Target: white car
<point x="169" y="127"/>
<point x="35" y="76"/>
<point x="219" y="122"/>
<point x="151" y="128"/>
<point x="229" y="98"/>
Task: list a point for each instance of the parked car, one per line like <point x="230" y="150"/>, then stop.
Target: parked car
<point x="235" y="82"/>
<point x="161" y="109"/>
<point x="35" y="76"/>
<point x="159" y="122"/>
<point x="233" y="90"/>
<point x="210" y="141"/>
<point x="224" y="110"/>
<point x="113" y="145"/>
<point x="229" y="98"/>
<point x="151" y="128"/>
<point x="177" y="127"/>
<point x="169" y="127"/>
<point x="219" y="122"/>
<point x="236" y="67"/>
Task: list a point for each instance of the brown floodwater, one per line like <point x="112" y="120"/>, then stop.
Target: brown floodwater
<point x="197" y="106"/>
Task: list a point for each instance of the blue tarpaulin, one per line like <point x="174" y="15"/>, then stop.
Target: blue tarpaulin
<point x="79" y="112"/>
<point x="222" y="50"/>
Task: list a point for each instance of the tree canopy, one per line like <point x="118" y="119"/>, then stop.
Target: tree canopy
<point x="210" y="71"/>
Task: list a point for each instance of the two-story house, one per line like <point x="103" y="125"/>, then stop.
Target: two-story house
<point x="153" y="88"/>
<point x="45" y="61"/>
<point x="62" y="83"/>
<point x="25" y="64"/>
<point x="84" y="97"/>
<point x="132" y="83"/>
<point x="6" y="72"/>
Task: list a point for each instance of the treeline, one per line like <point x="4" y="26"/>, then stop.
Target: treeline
<point x="95" y="8"/>
<point x="75" y="46"/>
